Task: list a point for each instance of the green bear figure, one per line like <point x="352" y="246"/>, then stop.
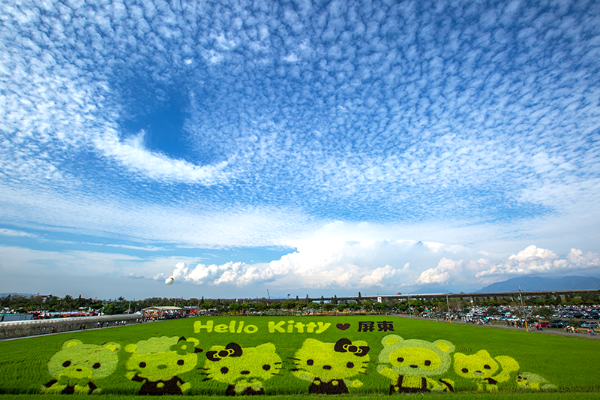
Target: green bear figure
<point x="482" y="368"/>
<point x="157" y="362"/>
<point x="410" y="363"/>
<point x="76" y="364"/>
<point x="243" y="369"/>
<point x="327" y="366"/>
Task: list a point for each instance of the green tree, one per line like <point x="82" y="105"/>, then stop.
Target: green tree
<point x="379" y="307"/>
<point x="341" y="307"/>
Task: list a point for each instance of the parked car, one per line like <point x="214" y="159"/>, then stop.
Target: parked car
<point x="557" y="324"/>
<point x="589" y="325"/>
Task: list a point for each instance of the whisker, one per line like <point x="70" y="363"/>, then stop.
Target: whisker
<point x="207" y="379"/>
<point x="276" y="374"/>
<point x="277" y="363"/>
<point x="292" y="358"/>
<point x="362" y="373"/>
<point x="295" y="369"/>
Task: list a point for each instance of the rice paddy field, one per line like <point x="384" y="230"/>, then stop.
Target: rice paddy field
<point x="291" y="357"/>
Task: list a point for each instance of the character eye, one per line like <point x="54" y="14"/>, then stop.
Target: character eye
<point x="309" y="362"/>
<point x="350" y="365"/>
<point x="427" y="363"/>
<point x="180" y="362"/>
<point x="400" y="359"/>
<point x="487" y="366"/>
<point x="96" y="366"/>
<point x="142" y="365"/>
<point x="224" y="370"/>
<point x="266" y="367"/>
<point x="66" y="364"/>
<point x="465" y="370"/>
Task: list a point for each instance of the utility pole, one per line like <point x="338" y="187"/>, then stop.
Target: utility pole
<point x="448" y="305"/>
<point x="523" y="309"/>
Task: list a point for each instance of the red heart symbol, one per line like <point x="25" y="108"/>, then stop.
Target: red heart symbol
<point x="343" y="327"/>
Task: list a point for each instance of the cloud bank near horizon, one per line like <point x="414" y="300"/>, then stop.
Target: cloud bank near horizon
<point x="155" y="125"/>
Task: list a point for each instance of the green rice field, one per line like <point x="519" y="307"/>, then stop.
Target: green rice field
<point x="290" y="357"/>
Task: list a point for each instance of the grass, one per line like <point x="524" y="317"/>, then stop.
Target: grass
<point x="569" y="363"/>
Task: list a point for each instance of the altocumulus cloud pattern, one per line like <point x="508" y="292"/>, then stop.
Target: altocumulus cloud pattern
<point x="251" y="123"/>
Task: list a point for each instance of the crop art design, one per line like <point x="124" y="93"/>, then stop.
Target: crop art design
<point x="486" y="371"/>
<point x="243" y="369"/>
<point x="327" y="366"/>
<point x="318" y="358"/>
<point x="530" y="381"/>
<point x="76" y="365"/>
<point x="158" y="362"/>
<point x="410" y="364"/>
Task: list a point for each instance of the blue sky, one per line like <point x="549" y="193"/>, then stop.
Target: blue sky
<point x="301" y="147"/>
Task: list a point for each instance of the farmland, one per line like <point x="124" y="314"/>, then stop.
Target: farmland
<point x="358" y="355"/>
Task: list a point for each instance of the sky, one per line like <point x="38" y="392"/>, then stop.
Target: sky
<point x="255" y="149"/>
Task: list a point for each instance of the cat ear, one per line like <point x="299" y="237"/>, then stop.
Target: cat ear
<point x="266" y="347"/>
<point x="483" y="354"/>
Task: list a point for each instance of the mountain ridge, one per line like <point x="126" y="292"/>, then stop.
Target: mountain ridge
<point x="538" y="283"/>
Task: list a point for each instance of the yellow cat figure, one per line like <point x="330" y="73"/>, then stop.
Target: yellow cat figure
<point x="329" y="366"/>
<point x="486" y="371"/>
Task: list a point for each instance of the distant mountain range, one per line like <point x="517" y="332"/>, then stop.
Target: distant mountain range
<point x="15" y="294"/>
<point x="537" y="283"/>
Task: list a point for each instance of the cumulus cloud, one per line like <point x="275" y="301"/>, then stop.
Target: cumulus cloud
<point x="377" y="277"/>
<point x="442" y="273"/>
<point x="324" y="262"/>
<point x="534" y="260"/>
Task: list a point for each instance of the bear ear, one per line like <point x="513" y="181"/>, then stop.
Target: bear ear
<point x="390" y="340"/>
<point x="112" y="346"/>
<point x="71" y="343"/>
<point x="130" y="348"/>
<point x="444" y="346"/>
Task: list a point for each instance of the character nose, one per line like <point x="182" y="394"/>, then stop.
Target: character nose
<point x="244" y="372"/>
<point x="162" y="366"/>
<point x="326" y="366"/>
<point x="413" y="366"/>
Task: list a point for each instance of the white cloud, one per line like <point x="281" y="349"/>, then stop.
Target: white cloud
<point x="132" y="154"/>
<point x="446" y="269"/>
<point x="11" y="232"/>
<point x="376" y="278"/>
<point x="534" y="260"/>
<point x="324" y="262"/>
